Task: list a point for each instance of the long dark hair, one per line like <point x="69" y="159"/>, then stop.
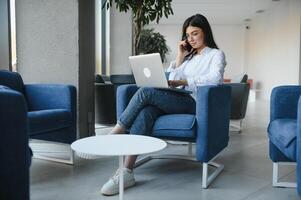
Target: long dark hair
<point x="201" y="22"/>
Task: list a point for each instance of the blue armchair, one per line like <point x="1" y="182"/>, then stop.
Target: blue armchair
<point x="51" y="110"/>
<point x="14" y="149"/>
<point x="208" y="128"/>
<point x="284" y="131"/>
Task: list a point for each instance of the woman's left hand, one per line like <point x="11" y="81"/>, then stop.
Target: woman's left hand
<point x="177" y="83"/>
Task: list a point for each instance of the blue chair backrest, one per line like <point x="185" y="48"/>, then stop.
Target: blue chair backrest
<point x="12" y="80"/>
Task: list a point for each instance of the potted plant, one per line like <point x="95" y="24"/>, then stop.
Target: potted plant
<point x="143" y="12"/>
<point x="152" y="42"/>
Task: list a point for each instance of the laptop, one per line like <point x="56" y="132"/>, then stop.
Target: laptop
<point x="148" y="72"/>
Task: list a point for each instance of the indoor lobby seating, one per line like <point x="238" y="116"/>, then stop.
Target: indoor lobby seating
<point x="240" y="89"/>
<point x="51" y="110"/>
<point x="14" y="150"/>
<point x="208" y="128"/>
<point x="284" y="132"/>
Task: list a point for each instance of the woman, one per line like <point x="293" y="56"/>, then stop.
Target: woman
<point x="198" y="62"/>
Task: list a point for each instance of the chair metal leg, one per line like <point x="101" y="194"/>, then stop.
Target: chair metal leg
<point x="276" y="182"/>
<point x="236" y="128"/>
<point x="206" y="178"/>
<point x="190" y="149"/>
<point x="37" y="153"/>
<point x="69" y="162"/>
<point x="147" y="158"/>
<point x="240" y="126"/>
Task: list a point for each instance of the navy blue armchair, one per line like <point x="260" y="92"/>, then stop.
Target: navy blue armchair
<point x="14" y="149"/>
<point x="284" y="131"/>
<point x="51" y="110"/>
<point x="208" y="128"/>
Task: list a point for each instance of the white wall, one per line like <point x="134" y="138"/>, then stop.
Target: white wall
<point x="98" y="34"/>
<point x="120" y="41"/>
<point x="4" y="48"/>
<point x="47" y="41"/>
<point x="229" y="38"/>
<point x="273" y="47"/>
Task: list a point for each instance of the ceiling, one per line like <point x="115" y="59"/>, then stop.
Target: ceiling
<point x="217" y="11"/>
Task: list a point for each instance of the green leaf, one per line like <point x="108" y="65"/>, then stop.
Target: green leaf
<point x="166" y="14"/>
<point x="104" y="4"/>
<point x="152" y="42"/>
<point x="152" y="16"/>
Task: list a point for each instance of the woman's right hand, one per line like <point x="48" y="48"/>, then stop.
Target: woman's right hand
<point x="181" y="53"/>
<point x="181" y="48"/>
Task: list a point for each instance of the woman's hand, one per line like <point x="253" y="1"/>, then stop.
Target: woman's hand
<point x="182" y="52"/>
<point x="181" y="48"/>
<point x="177" y="83"/>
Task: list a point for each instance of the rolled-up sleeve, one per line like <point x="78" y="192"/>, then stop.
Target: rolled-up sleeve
<point x="215" y="74"/>
<point x="175" y="73"/>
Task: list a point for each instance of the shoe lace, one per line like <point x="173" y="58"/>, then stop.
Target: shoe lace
<point x="115" y="176"/>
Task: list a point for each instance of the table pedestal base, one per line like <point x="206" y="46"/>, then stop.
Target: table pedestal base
<point x="121" y="188"/>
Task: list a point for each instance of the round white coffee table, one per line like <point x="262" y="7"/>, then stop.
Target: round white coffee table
<point x="117" y="145"/>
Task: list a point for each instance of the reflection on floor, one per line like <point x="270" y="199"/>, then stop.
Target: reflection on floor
<point x="247" y="174"/>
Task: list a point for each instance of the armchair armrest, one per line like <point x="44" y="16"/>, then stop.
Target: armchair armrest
<point x="213" y="116"/>
<point x="284" y="102"/>
<point x="124" y="95"/>
<point x="50" y="96"/>
<point x="14" y="150"/>
<point x="299" y="147"/>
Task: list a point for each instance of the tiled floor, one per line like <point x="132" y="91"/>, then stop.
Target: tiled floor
<point x="247" y="174"/>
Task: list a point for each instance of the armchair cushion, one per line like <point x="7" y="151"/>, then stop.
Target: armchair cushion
<point x="175" y="126"/>
<point x="48" y="120"/>
<point x="282" y="133"/>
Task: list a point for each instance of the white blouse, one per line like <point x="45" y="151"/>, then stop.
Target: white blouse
<point x="206" y="68"/>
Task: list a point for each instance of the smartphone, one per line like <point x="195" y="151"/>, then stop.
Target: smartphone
<point x="187" y="46"/>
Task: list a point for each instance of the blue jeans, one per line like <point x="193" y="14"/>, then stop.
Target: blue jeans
<point x="148" y="104"/>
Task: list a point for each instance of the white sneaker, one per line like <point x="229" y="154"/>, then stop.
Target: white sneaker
<point x="111" y="187"/>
